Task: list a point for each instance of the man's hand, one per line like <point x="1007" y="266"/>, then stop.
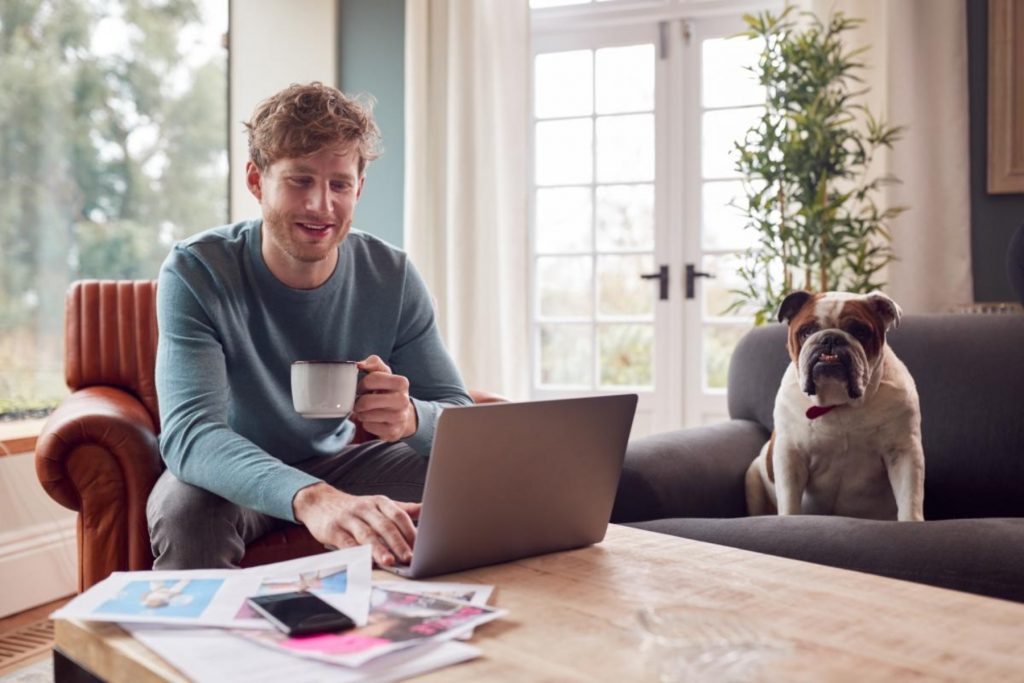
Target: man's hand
<point x="342" y="520"/>
<point x="382" y="404"/>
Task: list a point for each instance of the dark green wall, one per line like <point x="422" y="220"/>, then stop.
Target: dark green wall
<point x="371" y="59"/>
<point x="994" y="217"/>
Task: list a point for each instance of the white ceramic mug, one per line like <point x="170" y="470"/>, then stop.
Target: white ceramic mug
<point x="323" y="388"/>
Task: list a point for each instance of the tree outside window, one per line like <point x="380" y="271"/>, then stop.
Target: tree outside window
<point x="113" y="144"/>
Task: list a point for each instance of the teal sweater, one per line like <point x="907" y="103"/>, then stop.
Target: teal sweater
<point x="229" y="332"/>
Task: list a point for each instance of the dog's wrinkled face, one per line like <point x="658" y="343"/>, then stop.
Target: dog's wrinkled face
<point x="836" y="340"/>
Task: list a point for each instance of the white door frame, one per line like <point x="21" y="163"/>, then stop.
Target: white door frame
<point x="675" y="27"/>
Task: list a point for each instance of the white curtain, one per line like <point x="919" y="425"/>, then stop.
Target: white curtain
<point x="917" y="72"/>
<point x="466" y="87"/>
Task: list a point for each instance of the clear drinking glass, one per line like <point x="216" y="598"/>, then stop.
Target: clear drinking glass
<point x="693" y="643"/>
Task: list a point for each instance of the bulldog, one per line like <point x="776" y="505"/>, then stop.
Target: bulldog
<point x="847" y="437"/>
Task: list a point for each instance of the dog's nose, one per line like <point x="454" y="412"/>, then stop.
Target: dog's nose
<point x="830" y="340"/>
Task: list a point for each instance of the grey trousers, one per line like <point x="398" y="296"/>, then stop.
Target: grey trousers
<point x="191" y="528"/>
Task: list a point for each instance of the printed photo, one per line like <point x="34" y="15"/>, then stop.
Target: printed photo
<point x="330" y="581"/>
<point x="184" y="598"/>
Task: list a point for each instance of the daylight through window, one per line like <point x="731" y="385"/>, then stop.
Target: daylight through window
<point x="113" y="144"/>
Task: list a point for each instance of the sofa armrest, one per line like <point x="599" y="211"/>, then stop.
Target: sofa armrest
<point x="481" y="397"/>
<point x="98" y="454"/>
<point x="695" y="472"/>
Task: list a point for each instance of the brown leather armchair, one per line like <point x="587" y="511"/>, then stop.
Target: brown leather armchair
<point x="97" y="453"/>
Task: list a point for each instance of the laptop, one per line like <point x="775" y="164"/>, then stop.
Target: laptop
<point x="512" y="480"/>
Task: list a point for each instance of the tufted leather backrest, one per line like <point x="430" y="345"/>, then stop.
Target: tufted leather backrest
<point x="110" y="337"/>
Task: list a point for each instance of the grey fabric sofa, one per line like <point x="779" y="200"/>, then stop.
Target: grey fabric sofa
<point x="969" y="371"/>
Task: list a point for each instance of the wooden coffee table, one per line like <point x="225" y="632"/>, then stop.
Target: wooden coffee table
<point x="573" y="618"/>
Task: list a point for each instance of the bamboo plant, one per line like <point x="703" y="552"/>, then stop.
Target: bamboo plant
<point x="810" y="194"/>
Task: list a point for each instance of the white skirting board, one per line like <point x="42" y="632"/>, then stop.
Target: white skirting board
<point x="38" y="564"/>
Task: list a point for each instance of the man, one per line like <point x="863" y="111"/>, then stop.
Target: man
<point x="238" y="304"/>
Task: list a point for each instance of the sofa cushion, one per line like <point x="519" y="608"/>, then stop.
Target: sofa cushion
<point x="969" y="376"/>
<point x="983" y="556"/>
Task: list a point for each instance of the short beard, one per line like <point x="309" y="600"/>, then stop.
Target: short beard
<point x="280" y="228"/>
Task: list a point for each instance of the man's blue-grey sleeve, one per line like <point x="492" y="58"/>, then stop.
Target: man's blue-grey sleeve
<point x="191" y="381"/>
<point x="420" y="355"/>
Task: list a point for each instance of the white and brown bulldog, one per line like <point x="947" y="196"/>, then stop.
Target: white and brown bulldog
<point x="847" y="437"/>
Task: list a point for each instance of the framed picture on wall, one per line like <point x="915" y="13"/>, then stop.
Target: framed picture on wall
<point x="1005" y="96"/>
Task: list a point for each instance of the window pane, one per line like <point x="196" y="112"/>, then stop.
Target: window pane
<point x="625" y="148"/>
<point x="625" y="217"/>
<point x="720" y="132"/>
<point x="719" y="342"/>
<point x="625" y="79"/>
<point x="565" y="356"/>
<point x="564" y="152"/>
<point x="717" y="292"/>
<point x="726" y="79"/>
<point x="564" y="286"/>
<point x="627" y="354"/>
<point x="564" y="84"/>
<point x="113" y="144"/>
<point x="621" y="290"/>
<point x="563" y="219"/>
<point x="722" y="225"/>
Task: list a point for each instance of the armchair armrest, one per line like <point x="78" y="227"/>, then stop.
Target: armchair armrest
<point x="98" y="454"/>
<point x="695" y="472"/>
<point x="481" y="397"/>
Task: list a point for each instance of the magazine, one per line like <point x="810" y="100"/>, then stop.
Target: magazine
<point x="397" y="620"/>
<point x="209" y="655"/>
<point x="474" y="593"/>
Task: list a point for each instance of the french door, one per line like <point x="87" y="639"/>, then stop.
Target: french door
<point x="634" y="241"/>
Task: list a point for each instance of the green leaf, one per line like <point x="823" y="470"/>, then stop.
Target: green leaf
<point x="813" y="147"/>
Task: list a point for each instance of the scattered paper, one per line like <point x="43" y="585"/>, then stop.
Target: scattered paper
<point x="473" y="593"/>
<point x="405" y="628"/>
<point x="217" y="597"/>
<point x="397" y="621"/>
<point x="215" y="656"/>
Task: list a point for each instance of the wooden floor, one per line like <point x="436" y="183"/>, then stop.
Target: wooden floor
<point x="27" y="637"/>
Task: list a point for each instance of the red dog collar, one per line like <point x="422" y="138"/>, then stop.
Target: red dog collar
<point x="818" y="411"/>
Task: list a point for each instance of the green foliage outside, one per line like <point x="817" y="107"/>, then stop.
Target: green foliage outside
<point x="108" y="153"/>
<point x="806" y="167"/>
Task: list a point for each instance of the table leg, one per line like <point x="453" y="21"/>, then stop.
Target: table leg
<point x="67" y="670"/>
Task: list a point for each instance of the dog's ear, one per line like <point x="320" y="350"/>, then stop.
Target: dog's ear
<point x="793" y="302"/>
<point x="887" y="309"/>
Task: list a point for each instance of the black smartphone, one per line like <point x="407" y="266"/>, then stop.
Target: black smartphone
<point x="300" y="613"/>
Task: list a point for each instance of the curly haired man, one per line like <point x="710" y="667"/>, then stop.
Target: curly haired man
<point x="238" y="304"/>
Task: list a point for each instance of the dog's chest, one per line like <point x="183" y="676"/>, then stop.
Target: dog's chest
<point x="846" y="472"/>
<point x="832" y="452"/>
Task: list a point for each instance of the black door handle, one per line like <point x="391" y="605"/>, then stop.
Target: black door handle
<point x="692" y="274"/>
<point x="662" y="277"/>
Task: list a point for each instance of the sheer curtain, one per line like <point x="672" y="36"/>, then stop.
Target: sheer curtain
<point x="917" y="72"/>
<point x="466" y="94"/>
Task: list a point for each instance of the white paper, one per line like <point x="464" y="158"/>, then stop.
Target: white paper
<point x="215" y="656"/>
<point x="342" y="578"/>
<point x="216" y="597"/>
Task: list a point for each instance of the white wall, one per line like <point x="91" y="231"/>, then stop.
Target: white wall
<point x="274" y="43"/>
<point x="38" y="554"/>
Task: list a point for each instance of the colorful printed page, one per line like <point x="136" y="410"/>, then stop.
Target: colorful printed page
<point x="213" y="656"/>
<point x="217" y="597"/>
<point x="473" y="593"/>
<point x="341" y="578"/>
<point x="397" y="620"/>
